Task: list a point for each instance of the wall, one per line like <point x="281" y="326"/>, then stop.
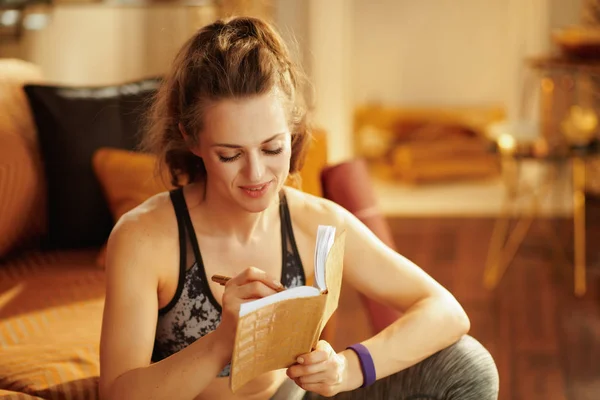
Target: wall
<point x="291" y="18"/>
<point x="438" y="52"/>
<point x="403" y="51"/>
<point x="432" y="52"/>
<point x="427" y="52"/>
<point x="100" y="44"/>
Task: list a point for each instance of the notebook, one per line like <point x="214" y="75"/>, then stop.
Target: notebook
<point x="274" y="330"/>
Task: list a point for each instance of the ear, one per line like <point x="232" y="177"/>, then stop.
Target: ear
<point x="188" y="141"/>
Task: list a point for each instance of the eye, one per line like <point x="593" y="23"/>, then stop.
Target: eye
<point x="229" y="159"/>
<point x="273" y="152"/>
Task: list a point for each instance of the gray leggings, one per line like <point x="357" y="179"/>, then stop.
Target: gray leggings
<point x="462" y="371"/>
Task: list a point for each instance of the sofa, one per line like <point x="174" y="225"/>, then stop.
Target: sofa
<point x="52" y="278"/>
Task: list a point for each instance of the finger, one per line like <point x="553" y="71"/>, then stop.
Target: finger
<point x="247" y="275"/>
<point x="329" y="377"/>
<point x="298" y="370"/>
<point x="254" y="290"/>
<point x="325" y="346"/>
<point x="322" y="352"/>
<point x="314" y="357"/>
<point x="252" y="274"/>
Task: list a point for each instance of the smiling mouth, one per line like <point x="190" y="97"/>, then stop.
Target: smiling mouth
<point x="255" y="188"/>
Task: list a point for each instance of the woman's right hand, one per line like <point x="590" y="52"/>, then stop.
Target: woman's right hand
<point x="248" y="285"/>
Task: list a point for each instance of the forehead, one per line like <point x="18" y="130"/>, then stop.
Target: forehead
<point x="246" y="120"/>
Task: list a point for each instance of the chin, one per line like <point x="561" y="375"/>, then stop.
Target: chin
<point x="256" y="201"/>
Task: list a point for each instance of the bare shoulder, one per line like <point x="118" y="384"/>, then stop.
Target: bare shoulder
<point x="143" y="233"/>
<point x="309" y="211"/>
<point x="153" y="218"/>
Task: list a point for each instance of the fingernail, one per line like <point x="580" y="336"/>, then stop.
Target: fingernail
<point x="300" y="360"/>
<point x="278" y="284"/>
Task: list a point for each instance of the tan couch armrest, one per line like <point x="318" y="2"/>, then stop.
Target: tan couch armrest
<point x="22" y="186"/>
<point x="20" y="193"/>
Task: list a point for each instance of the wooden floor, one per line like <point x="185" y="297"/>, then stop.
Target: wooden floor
<point x="546" y="342"/>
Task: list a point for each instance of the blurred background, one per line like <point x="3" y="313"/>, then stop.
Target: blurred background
<point x="474" y="125"/>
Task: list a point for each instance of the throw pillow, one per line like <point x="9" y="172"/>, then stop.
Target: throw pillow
<point x="72" y="123"/>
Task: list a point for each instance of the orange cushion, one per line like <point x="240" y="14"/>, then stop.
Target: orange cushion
<point x="316" y="160"/>
<point x="127" y="178"/>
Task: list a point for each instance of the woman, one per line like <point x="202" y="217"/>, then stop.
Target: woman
<point x="230" y="124"/>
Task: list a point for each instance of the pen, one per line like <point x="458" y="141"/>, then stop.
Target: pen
<point x="222" y="280"/>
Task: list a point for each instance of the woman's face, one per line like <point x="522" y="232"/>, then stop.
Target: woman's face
<point x="246" y="148"/>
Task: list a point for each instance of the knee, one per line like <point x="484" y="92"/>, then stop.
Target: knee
<point x="468" y="370"/>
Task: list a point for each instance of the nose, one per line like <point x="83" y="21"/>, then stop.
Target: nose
<point x="255" y="168"/>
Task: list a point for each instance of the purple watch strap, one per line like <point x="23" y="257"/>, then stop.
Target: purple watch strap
<point x="366" y="363"/>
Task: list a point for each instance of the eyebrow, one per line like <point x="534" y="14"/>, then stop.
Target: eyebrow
<point x="236" y="146"/>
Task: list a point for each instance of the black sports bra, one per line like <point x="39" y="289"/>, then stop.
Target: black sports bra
<point x="194" y="312"/>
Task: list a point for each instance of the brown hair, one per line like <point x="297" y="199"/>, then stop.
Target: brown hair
<point x="233" y="58"/>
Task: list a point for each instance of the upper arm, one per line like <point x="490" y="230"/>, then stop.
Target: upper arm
<point x="378" y="271"/>
<point x="131" y="305"/>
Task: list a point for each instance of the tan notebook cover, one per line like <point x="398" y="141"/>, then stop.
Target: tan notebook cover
<point x="272" y="337"/>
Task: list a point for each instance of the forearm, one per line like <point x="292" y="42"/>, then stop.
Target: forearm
<point x="429" y="326"/>
<point x="183" y="375"/>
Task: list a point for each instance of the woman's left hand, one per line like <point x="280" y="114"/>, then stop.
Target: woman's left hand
<point x="321" y="371"/>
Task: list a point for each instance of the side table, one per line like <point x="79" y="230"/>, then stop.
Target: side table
<point x="504" y="245"/>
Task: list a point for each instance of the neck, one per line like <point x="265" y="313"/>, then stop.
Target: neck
<point x="225" y="218"/>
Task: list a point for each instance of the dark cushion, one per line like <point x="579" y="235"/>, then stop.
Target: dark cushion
<point x="72" y="122"/>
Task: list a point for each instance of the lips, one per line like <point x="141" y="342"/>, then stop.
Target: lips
<point x="255" y="191"/>
<point x="255" y="187"/>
